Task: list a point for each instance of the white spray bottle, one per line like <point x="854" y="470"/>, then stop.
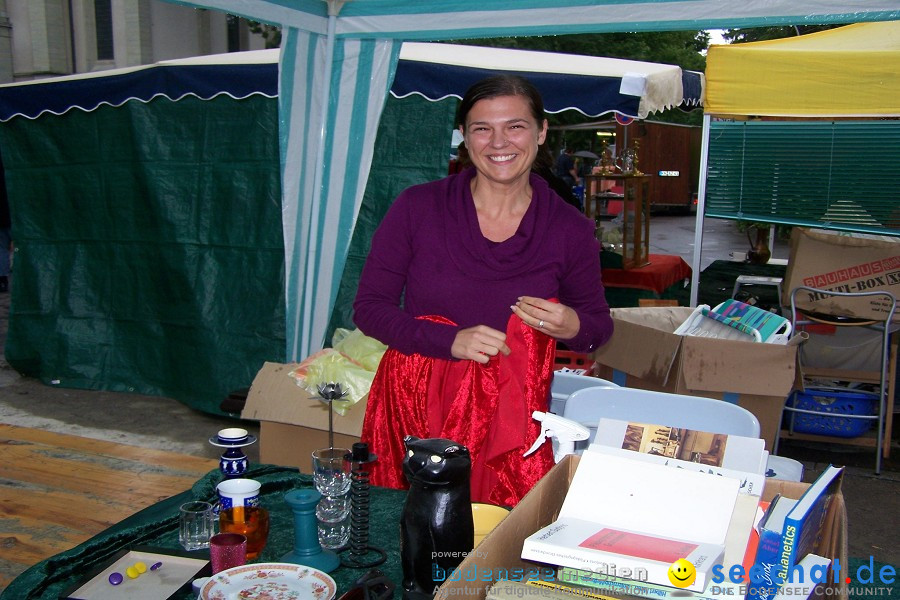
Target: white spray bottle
<point x="566" y="432"/>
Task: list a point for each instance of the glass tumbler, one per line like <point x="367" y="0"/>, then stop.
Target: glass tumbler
<point x="195" y="525"/>
<point x="331" y="474"/>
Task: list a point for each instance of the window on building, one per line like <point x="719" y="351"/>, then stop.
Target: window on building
<point x="104" y="25"/>
<point x="234" y="33"/>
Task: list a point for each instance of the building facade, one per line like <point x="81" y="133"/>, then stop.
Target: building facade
<point x="48" y="38"/>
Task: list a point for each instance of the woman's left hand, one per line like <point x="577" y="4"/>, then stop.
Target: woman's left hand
<point x="555" y="319"/>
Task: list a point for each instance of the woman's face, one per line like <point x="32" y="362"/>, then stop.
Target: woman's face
<point x="502" y="138"/>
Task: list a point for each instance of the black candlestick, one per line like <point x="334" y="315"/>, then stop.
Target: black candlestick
<point x="361" y="554"/>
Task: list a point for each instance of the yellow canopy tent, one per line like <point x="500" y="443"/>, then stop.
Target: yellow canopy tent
<point x="851" y="71"/>
<point x="825" y="150"/>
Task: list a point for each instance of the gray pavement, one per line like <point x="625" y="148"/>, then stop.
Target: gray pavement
<point x="164" y="423"/>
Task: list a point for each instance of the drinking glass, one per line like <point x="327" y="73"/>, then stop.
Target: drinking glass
<point x="331" y="474"/>
<point x="227" y="550"/>
<point x="333" y="508"/>
<point x="196" y="525"/>
<point x="250" y="521"/>
<point x="334" y="534"/>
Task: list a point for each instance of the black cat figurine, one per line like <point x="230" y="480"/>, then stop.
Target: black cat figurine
<point x="436" y="530"/>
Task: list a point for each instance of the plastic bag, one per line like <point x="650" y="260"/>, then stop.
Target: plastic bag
<point x="352" y="362"/>
<point x="363" y="350"/>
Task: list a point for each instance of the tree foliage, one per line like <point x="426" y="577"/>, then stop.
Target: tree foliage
<point x="270" y="33"/>
<point x="683" y="48"/>
<point x="759" y="34"/>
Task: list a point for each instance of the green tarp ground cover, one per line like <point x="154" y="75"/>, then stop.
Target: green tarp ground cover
<point x="149" y="254"/>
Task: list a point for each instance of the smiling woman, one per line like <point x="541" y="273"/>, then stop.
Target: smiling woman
<point x="502" y="138"/>
<point x="471" y="281"/>
<point x="502" y="141"/>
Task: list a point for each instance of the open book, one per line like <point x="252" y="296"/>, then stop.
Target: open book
<point x="632" y="518"/>
<point x="715" y="454"/>
<point x="742" y="457"/>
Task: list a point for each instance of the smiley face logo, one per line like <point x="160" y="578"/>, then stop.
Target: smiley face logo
<point x="682" y="573"/>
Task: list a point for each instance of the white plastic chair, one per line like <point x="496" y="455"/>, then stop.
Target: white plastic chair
<point x="587" y="406"/>
<point x="564" y="383"/>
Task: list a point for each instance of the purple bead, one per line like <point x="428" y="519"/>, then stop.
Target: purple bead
<point x="155" y="566"/>
<point x="116" y="578"/>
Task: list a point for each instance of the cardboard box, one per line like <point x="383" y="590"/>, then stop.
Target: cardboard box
<point x="644" y="353"/>
<point x="499" y="555"/>
<point x="293" y="423"/>
<point x="842" y="262"/>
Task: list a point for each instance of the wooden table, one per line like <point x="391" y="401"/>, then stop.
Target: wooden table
<point x="59" y="490"/>
<point x="157" y="526"/>
<point x="662" y="277"/>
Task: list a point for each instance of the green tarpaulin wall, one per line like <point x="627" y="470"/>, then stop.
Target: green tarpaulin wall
<point x="149" y="252"/>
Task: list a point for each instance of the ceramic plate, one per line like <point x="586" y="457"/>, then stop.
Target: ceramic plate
<point x="214" y="440"/>
<point x="272" y="581"/>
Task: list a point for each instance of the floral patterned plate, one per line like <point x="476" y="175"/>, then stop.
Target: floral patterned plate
<point x="269" y="581"/>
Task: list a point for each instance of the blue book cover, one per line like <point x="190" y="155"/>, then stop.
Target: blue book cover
<point x="803" y="524"/>
<point x="769" y="554"/>
<point x="791" y="530"/>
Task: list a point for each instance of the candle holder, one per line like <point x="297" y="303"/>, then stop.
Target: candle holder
<point x="361" y="554"/>
<point x="332" y="478"/>
<point x="328" y="393"/>
<point x="331" y="474"/>
<point x="307" y="549"/>
<point x="233" y="462"/>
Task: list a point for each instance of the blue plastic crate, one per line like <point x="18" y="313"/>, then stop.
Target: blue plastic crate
<point x="833" y="402"/>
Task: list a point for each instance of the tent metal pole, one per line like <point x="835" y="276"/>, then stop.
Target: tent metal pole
<point x="318" y="188"/>
<point x="701" y="209"/>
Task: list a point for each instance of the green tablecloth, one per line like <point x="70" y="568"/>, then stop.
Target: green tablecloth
<point x="158" y="526"/>
<point x="631" y="297"/>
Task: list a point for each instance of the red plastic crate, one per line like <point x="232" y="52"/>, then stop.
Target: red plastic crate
<point x="566" y="359"/>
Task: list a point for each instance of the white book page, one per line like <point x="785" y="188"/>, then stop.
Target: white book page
<point x="740" y="452"/>
<point x="742" y="521"/>
<point x="750" y="483"/>
<point x="616" y="491"/>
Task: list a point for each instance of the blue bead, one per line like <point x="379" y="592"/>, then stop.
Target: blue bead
<point x="116" y="578"/>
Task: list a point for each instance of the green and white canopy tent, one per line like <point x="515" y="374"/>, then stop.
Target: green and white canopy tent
<point x="147" y="203"/>
<point x="338" y="59"/>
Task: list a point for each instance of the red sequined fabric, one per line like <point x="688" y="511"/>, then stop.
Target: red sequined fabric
<point x="486" y="408"/>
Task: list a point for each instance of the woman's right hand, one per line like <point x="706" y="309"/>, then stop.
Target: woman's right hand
<point x="479" y="343"/>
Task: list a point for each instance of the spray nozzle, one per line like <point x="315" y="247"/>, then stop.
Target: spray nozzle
<point x="566" y="432"/>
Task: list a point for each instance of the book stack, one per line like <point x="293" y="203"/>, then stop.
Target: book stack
<point x="790" y="532"/>
<point x="645" y="496"/>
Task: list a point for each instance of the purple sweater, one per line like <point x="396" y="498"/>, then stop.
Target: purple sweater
<point x="429" y="257"/>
